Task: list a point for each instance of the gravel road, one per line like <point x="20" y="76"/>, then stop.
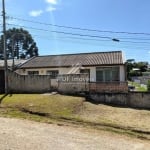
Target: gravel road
<point x="18" y="134"/>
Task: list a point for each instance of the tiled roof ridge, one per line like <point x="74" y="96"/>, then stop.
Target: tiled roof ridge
<point x="119" y="51"/>
<point x="27" y="61"/>
<point x="86" y="59"/>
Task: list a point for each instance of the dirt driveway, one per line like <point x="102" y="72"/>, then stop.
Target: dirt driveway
<point x="27" y="135"/>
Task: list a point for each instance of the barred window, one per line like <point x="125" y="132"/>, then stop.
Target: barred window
<point x="52" y="73"/>
<point x="33" y="72"/>
<point x="106" y="74"/>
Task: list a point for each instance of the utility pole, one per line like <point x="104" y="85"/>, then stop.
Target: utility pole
<point x="4" y="46"/>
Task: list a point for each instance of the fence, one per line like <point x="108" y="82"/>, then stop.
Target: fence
<point x="73" y="83"/>
<point x="44" y="83"/>
<point x="29" y="84"/>
<point x="130" y="99"/>
<point x="68" y="83"/>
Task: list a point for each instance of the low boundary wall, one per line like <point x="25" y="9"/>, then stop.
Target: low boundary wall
<point x="29" y="84"/>
<point x="40" y="84"/>
<point x="130" y="99"/>
<point x="45" y="83"/>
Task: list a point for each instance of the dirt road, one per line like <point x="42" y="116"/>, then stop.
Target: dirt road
<point x="27" y="135"/>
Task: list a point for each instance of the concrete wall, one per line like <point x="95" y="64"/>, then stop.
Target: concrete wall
<point x="30" y="84"/>
<point x="131" y="99"/>
<point x="73" y="83"/>
<point x="44" y="83"/>
<point x="139" y="100"/>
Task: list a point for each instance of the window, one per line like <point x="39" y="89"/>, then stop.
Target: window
<point x="99" y="75"/>
<point x="85" y="71"/>
<point x="33" y="72"/>
<point x="107" y="74"/>
<point x="52" y="73"/>
<point x="115" y="74"/>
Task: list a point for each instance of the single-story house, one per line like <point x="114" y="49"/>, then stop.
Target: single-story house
<point x="101" y="66"/>
<point x="106" y="68"/>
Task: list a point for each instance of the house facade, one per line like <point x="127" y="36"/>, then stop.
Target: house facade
<point x="101" y="66"/>
<point x="106" y="70"/>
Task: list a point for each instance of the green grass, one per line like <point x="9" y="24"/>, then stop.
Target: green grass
<point x="75" y="110"/>
<point x="56" y="105"/>
<point x="138" y="87"/>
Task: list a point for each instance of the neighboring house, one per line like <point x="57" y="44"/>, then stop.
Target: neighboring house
<point x="106" y="69"/>
<point x="17" y="62"/>
<point x="10" y="64"/>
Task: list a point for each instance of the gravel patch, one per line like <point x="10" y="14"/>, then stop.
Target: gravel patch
<point x="18" y="134"/>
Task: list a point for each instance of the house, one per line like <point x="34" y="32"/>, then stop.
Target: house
<point x="101" y="66"/>
<point x="106" y="70"/>
<point x="9" y="64"/>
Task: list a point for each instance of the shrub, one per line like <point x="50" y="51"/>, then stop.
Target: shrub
<point x="148" y="85"/>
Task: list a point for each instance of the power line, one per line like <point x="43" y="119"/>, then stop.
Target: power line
<point x="136" y="42"/>
<point x="70" y="37"/>
<point x="78" y="28"/>
<point x="131" y="38"/>
<point x="67" y="33"/>
<point x="84" y="41"/>
<point x="95" y="37"/>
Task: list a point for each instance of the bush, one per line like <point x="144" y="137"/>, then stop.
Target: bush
<point x="148" y="85"/>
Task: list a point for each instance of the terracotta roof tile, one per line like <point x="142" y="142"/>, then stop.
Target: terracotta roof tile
<point x="85" y="59"/>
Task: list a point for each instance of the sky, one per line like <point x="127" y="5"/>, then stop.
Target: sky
<point x="82" y="26"/>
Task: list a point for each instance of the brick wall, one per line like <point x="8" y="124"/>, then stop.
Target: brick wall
<point x="108" y="87"/>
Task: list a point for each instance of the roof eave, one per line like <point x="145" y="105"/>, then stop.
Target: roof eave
<point x="67" y="66"/>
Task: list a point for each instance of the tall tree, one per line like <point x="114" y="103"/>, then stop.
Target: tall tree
<point x="19" y="44"/>
<point x="143" y="66"/>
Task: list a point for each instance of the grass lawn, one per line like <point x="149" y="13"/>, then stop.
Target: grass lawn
<point x="75" y="110"/>
<point x="138" y="86"/>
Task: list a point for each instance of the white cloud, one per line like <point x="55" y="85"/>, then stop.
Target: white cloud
<point x="54" y="2"/>
<point x="35" y="13"/>
<point x="50" y="8"/>
<point x="149" y="52"/>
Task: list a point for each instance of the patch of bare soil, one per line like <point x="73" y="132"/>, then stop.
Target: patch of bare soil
<point x="18" y="134"/>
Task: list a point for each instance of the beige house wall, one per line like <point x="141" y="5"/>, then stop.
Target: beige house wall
<point x="65" y="70"/>
<point x="122" y="73"/>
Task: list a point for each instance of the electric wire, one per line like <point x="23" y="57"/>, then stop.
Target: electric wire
<point x="77" y="34"/>
<point x="78" y="28"/>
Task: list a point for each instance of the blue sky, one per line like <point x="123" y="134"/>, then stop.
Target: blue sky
<point x="127" y="16"/>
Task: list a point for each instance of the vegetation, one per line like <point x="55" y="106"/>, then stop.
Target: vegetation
<point x="148" y="85"/>
<point x="55" y="105"/>
<point x="131" y="64"/>
<point x="20" y="44"/>
<point x="138" y="86"/>
<point x="71" y="110"/>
